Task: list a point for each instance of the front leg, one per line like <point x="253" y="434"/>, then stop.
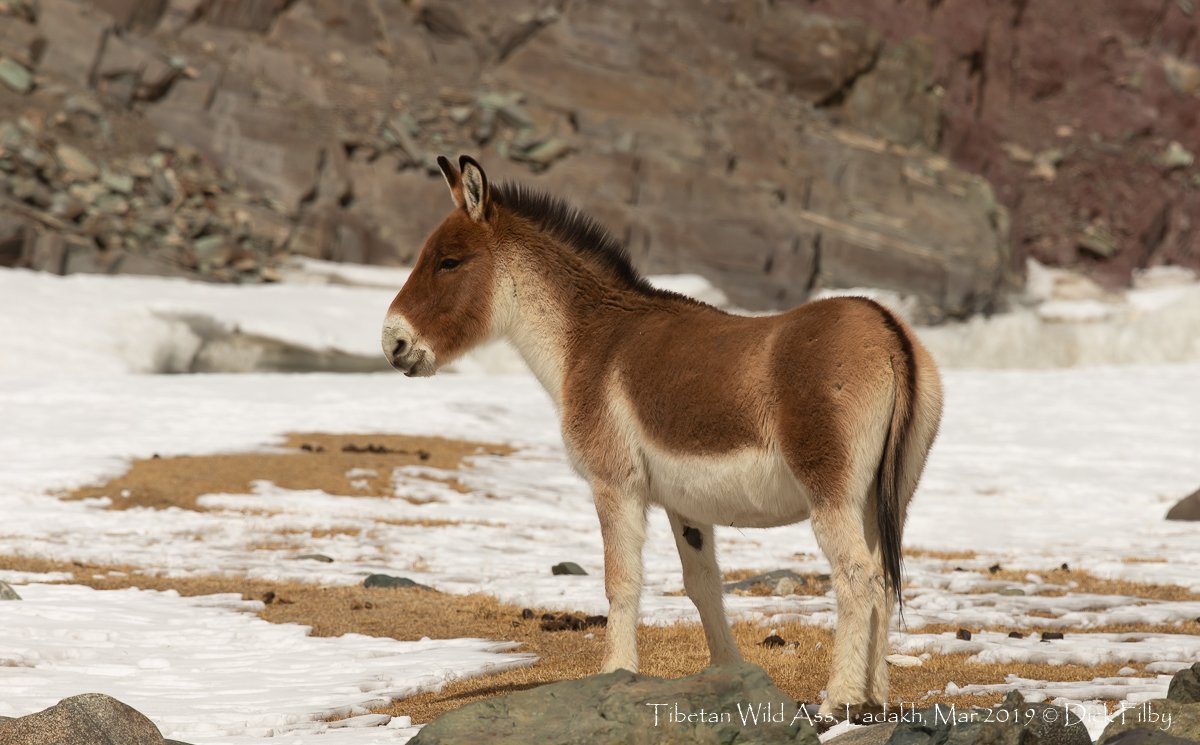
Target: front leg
<point x="623" y="529"/>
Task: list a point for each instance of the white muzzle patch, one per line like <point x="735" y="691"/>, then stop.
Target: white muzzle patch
<point x="404" y="348"/>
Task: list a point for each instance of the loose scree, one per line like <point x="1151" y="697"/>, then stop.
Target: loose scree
<point x="826" y="411"/>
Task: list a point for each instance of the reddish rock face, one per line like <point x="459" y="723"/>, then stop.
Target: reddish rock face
<point x="1070" y="109"/>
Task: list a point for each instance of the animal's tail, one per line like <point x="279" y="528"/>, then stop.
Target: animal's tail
<point x="890" y="481"/>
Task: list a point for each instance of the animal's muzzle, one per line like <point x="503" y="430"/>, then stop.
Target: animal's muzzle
<point x="404" y="350"/>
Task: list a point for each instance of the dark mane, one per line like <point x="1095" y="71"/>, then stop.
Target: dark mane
<point x="574" y="228"/>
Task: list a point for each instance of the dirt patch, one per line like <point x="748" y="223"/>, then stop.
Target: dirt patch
<point x="357" y="465"/>
<point x="800" y="667"/>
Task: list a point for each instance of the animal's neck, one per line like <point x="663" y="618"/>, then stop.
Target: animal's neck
<point x="555" y="301"/>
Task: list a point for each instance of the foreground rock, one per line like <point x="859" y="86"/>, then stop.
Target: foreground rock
<point x="619" y="709"/>
<point x="1185" y="686"/>
<point x="1151" y="722"/>
<point x="1187" y="508"/>
<point x="84" y="719"/>
<point x="7" y="592"/>
<point x="1011" y="721"/>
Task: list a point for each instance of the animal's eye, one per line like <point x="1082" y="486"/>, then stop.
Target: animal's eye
<point x="448" y="263"/>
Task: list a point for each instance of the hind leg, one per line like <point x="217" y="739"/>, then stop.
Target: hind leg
<point x="702" y="582"/>
<point x="859" y="679"/>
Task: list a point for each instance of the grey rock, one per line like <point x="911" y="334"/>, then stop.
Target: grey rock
<point x="74" y="34"/>
<point x="1187" y="508"/>
<point x="121" y="183"/>
<point x="1185" y="719"/>
<point x="316" y="557"/>
<point x="817" y="55"/>
<point x="619" y="708"/>
<point x="1185" y="686"/>
<point x="567" y="567"/>
<point x="1021" y="723"/>
<point x="896" y="100"/>
<point x="16" y="234"/>
<point x="86" y="718"/>
<point x="7" y="592"/>
<point x="248" y="15"/>
<point x="389" y="582"/>
<point x="1152" y="736"/>
<point x="15" y="75"/>
<point x="143" y="14"/>
<point x="770" y="579"/>
<point x="75" y="163"/>
<point x="875" y="734"/>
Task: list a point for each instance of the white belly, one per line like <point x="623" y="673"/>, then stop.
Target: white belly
<point x="750" y="488"/>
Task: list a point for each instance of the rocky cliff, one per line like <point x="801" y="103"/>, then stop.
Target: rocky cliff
<point x="777" y="148"/>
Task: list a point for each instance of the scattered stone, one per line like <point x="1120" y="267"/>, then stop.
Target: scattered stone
<point x="563" y="622"/>
<point x="619" y="708"/>
<point x="526" y="614"/>
<point x="1176" y="156"/>
<point x="1185" y="686"/>
<point x="567" y="567"/>
<point x="76" y="164"/>
<point x="1098" y="240"/>
<point x="904" y="660"/>
<point x="15" y="75"/>
<point x="963" y="634"/>
<point x="1015" y="635"/>
<point x="1051" y="635"/>
<point x="994" y="568"/>
<point x="314" y="557"/>
<point x="787" y="586"/>
<point x="87" y="718"/>
<point x="769" y="581"/>
<point x="772" y="641"/>
<point x="1012" y="591"/>
<point x="1187" y="508"/>
<point x="7" y="592"/>
<point x="388" y="581"/>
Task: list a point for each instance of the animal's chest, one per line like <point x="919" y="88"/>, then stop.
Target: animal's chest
<point x="748" y="487"/>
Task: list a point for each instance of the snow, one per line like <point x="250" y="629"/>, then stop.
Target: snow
<point x="206" y="668"/>
<point x="1032" y="469"/>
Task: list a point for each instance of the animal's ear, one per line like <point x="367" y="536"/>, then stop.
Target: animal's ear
<point x="476" y="196"/>
<point x="453" y="179"/>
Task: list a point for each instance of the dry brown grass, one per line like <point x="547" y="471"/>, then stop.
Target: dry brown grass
<point x="311" y="460"/>
<point x="1077" y="581"/>
<point x="800" y="668"/>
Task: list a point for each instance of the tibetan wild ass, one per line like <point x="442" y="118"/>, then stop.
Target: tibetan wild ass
<point x="826" y="411"/>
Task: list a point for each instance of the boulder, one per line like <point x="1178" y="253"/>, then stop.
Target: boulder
<point x="621" y="708"/>
<point x="817" y="55"/>
<point x="7" y="592"/>
<point x="74" y="35"/>
<point x="1185" y="686"/>
<point x="1154" y="715"/>
<point x="1145" y="737"/>
<point x="86" y="718"/>
<point x="1011" y="722"/>
<point x="1187" y="508"/>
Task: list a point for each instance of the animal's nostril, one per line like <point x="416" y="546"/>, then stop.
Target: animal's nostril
<point x="401" y="348"/>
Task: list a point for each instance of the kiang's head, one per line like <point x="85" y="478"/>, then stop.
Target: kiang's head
<point x="445" y="308"/>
